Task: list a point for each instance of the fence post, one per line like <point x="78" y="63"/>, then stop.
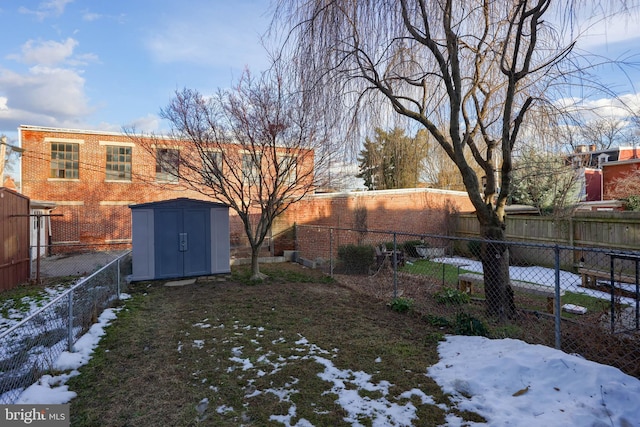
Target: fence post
<point x="70" y="324"/>
<point x="118" y="280"/>
<point x="395" y="267"/>
<point x="613" y="293"/>
<point x="557" y="307"/>
<point x="331" y="252"/>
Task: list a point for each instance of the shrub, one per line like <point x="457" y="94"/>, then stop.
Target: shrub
<point x="466" y="324"/>
<point x="356" y="259"/>
<point x="451" y="296"/>
<point x="632" y="203"/>
<point x="434" y="320"/>
<point x="400" y="304"/>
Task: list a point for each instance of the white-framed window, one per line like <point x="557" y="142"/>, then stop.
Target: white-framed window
<point x="65" y="160"/>
<point x="118" y="163"/>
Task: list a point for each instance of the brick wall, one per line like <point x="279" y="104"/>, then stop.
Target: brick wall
<point x="418" y="211"/>
<point x="95" y="210"/>
<point x="611" y="172"/>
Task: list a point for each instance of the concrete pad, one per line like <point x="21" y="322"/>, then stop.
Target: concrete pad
<point x="575" y="309"/>
<point x="181" y="282"/>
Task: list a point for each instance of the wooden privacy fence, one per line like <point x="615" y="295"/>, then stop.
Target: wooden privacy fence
<point x="609" y="230"/>
<point x="14" y="239"/>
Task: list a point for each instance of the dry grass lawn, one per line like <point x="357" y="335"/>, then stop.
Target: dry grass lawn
<point x="242" y="346"/>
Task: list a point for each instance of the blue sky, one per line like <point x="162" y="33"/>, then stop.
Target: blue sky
<point x="113" y="64"/>
<point x="106" y="65"/>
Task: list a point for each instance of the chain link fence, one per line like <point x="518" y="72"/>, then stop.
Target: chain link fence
<point x="583" y="301"/>
<point x="72" y="260"/>
<point x="29" y="348"/>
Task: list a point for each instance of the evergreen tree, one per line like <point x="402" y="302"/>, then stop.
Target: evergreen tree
<point x="391" y="160"/>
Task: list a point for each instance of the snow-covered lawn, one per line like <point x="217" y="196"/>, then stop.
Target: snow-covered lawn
<point x="506" y="381"/>
<point x="13" y="310"/>
<point x="541" y="275"/>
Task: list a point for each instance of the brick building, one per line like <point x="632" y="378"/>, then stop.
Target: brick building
<point x="92" y="177"/>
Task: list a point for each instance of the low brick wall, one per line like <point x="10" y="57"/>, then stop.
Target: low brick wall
<point x="417" y="211"/>
<point x="408" y="210"/>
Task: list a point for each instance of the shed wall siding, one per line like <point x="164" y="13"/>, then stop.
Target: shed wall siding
<point x="220" y="262"/>
<point x="143" y="244"/>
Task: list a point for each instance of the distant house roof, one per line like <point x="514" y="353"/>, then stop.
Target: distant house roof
<point x="591" y="158"/>
<point x="10" y="183"/>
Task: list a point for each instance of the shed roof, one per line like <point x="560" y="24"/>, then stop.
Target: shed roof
<point x="181" y="202"/>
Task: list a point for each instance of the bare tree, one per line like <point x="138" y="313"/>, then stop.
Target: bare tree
<point x="468" y="71"/>
<point x="626" y="188"/>
<point x="605" y="132"/>
<point x="255" y="147"/>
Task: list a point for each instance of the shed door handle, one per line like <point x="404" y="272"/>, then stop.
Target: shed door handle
<point x="183" y="242"/>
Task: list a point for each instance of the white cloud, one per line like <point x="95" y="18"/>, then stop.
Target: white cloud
<point x="621" y="108"/>
<point x="90" y="16"/>
<point x="57" y="92"/>
<point x="595" y="26"/>
<point x="46" y="9"/>
<point x="606" y="106"/>
<point x="47" y="52"/>
<point x="619" y="29"/>
<point x="147" y="124"/>
<point x="51" y="92"/>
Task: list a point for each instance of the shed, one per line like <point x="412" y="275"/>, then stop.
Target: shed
<point x="179" y="238"/>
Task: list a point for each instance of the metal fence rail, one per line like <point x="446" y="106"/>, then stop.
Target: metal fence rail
<point x="580" y="300"/>
<point x="30" y="348"/>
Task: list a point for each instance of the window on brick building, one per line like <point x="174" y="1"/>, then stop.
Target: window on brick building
<point x="64" y="160"/>
<point x="212" y="161"/>
<point x="212" y="167"/>
<point x="167" y="162"/>
<point x="251" y="168"/>
<point x="118" y="163"/>
<point x="288" y="168"/>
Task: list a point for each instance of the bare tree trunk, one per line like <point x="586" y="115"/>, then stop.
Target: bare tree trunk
<point x="255" y="264"/>
<point x="495" y="265"/>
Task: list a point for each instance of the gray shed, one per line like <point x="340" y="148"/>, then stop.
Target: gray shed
<point x="179" y="238"/>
